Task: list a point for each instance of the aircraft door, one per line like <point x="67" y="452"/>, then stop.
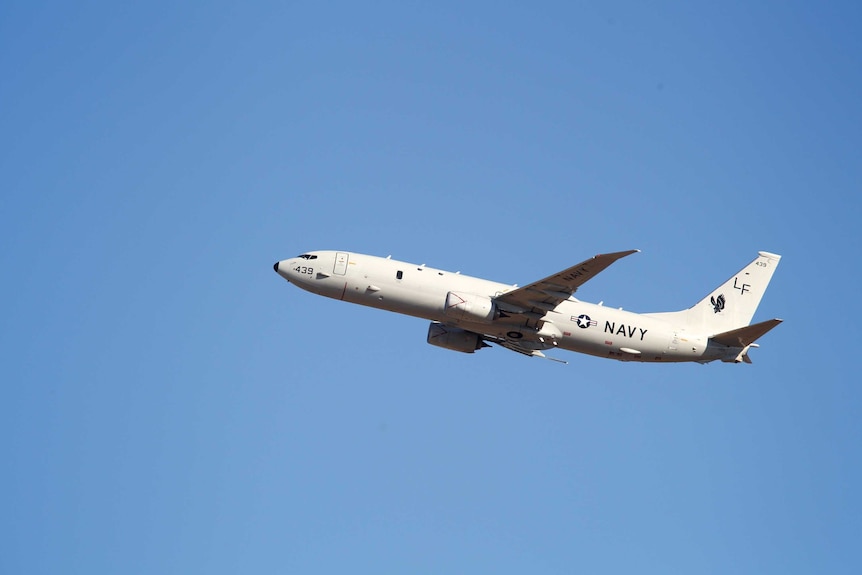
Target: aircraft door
<point x="341" y="259"/>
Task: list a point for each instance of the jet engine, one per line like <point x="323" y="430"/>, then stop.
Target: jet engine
<point x="469" y="307"/>
<point x="454" y="338"/>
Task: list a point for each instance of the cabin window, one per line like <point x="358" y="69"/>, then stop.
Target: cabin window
<point x="399" y="275"/>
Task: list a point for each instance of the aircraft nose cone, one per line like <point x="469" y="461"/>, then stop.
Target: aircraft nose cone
<point x="275" y="266"/>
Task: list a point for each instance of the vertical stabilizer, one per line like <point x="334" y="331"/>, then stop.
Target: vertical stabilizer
<point x="733" y="303"/>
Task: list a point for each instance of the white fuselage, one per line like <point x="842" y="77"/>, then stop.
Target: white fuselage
<point x="422" y="292"/>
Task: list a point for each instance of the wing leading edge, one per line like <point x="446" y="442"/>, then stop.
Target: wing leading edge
<point x="542" y="296"/>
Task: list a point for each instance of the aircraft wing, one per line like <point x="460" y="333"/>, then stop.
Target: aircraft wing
<point x="523" y="348"/>
<point x="542" y="296"/>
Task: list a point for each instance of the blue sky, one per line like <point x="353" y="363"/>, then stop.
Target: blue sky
<point x="170" y="405"/>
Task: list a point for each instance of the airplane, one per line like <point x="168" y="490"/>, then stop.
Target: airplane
<point x="469" y="313"/>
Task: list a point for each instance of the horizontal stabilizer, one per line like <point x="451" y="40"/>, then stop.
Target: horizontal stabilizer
<point x="745" y="335"/>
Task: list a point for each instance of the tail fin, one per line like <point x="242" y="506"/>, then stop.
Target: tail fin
<point x="732" y="304"/>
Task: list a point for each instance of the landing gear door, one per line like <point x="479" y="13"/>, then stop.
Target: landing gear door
<point x="340" y="263"/>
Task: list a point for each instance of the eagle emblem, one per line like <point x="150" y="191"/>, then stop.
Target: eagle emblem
<point x="717" y="303"/>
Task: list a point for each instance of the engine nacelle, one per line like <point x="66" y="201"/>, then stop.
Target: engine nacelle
<point x="469" y="307"/>
<point x="454" y="338"/>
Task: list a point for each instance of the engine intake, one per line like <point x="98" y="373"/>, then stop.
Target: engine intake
<point x="454" y="338"/>
<point x="469" y="307"/>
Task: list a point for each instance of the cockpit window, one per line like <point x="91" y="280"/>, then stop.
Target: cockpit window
<point x="307" y="257"/>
